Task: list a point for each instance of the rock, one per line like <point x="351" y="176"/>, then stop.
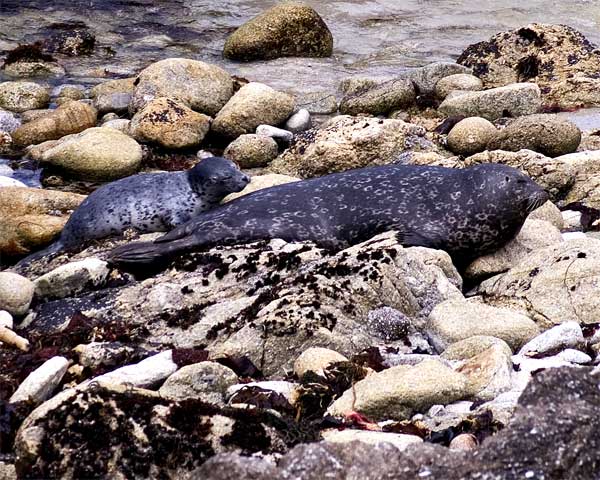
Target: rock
<point x="456" y="320"/>
<point x="95" y="154"/>
<point x="21" y="96"/>
<point x="317" y="103"/>
<point x="299" y="121"/>
<point x="490" y="372"/>
<point x="534" y="235"/>
<point x="572" y="219"/>
<point x="427" y="77"/>
<point x="69" y="92"/>
<point x="388" y="324"/>
<point x="120" y="124"/>
<point x="547" y="134"/>
<point x="103" y="354"/>
<point x="251" y="106"/>
<point x="585" y="189"/>
<point x="558" y="58"/>
<point x="464" y="441"/>
<point x="281" y="136"/>
<point x="344" y="143"/>
<point x="398" y="440"/>
<point x="8" y="121"/>
<point x="574" y="356"/>
<point x="30" y="115"/>
<point x="33" y="68"/>
<point x="552" y="174"/>
<point x="69" y="118"/>
<point x="31" y="218"/>
<point x="472" y="346"/>
<point x="170" y="124"/>
<point x="69" y="279"/>
<point x="10" y="182"/>
<point x="562" y="336"/>
<point x="121" y="85"/>
<point x="202" y="87"/>
<point x="16" y="293"/>
<point x="287" y="389"/>
<point x="316" y="360"/>
<point x="71" y="41"/>
<point x="206" y="381"/>
<point x="251" y="150"/>
<point x="113" y="102"/>
<point x="39" y="384"/>
<point x="7" y="471"/>
<point x="290" y="29"/>
<point x="380" y="99"/>
<point x="259" y="182"/>
<point x="399" y="392"/>
<point x="550" y="213"/>
<point x="229" y="466"/>
<point x="458" y="81"/>
<point x="512" y="100"/>
<point x="146" y="373"/>
<point x="553" y="285"/>
<point x="6" y="319"/>
<point x="471" y="135"/>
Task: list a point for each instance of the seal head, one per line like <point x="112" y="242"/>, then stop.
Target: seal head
<point x="217" y="175"/>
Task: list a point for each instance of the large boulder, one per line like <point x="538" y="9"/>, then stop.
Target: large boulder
<point x="22" y="96"/>
<point x="202" y="87"/>
<point x="512" y="100"/>
<point x="31" y="217"/>
<point x="69" y="118"/>
<point x="547" y="134"/>
<point x="553" y="285"/>
<point x="170" y="124"/>
<point x="254" y="104"/>
<point x="290" y="29"/>
<point x="558" y="58"/>
<point x="344" y="143"/>
<point x="100" y="154"/>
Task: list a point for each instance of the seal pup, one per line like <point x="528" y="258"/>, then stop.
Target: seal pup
<point x="149" y="202"/>
<point x="467" y="212"/>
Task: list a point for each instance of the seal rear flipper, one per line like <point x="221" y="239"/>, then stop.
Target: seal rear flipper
<point x="148" y="253"/>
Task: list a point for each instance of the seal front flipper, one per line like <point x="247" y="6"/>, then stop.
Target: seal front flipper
<point x="149" y="253"/>
<point x="415" y="239"/>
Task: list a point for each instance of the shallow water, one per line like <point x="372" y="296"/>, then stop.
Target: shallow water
<point x="378" y="37"/>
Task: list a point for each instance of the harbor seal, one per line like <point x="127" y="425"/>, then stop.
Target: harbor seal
<point x="150" y="202"/>
<point x="467" y="212"/>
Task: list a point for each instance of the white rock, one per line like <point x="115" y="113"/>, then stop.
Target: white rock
<point x="299" y="121"/>
<point x="528" y="366"/>
<point x="71" y="278"/>
<point x="287" y="389"/>
<point x="571" y="218"/>
<point x="6" y="319"/>
<point x="39" y="384"/>
<point x="146" y="373"/>
<point x="398" y="440"/>
<point x="10" y="182"/>
<point x="16" y="293"/>
<point x="278" y="134"/>
<point x="573" y="236"/>
<point x="562" y="336"/>
<point x="316" y="360"/>
<point x="574" y="356"/>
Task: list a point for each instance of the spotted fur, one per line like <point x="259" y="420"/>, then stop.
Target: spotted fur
<point x="467" y="212"/>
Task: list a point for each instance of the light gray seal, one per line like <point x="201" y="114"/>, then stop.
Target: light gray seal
<point x="150" y="202"/>
<point x="467" y="212"/>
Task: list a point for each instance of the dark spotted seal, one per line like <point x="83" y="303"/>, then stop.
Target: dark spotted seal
<point x="151" y="202"/>
<point x="467" y="212"/>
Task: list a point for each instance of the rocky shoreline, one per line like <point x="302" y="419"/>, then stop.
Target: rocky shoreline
<point x="286" y="360"/>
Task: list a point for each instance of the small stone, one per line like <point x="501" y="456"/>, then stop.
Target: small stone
<point x="399" y="392"/>
<point x="287" y="389"/>
<point x="120" y="124"/>
<point x="72" y="278"/>
<point x="289" y="29"/>
<point x="471" y="135"/>
<point x="281" y="136"/>
<point x="146" y="373"/>
<point x="8" y="121"/>
<point x="317" y="103"/>
<point x="548" y="134"/>
<point x="427" y="77"/>
<point x="398" y="440"/>
<point x="454" y="320"/>
<point x="490" y="372"/>
<point x="252" y="105"/>
<point x="30" y="69"/>
<point x="206" y="381"/>
<point x="567" y="236"/>
<point x="458" y="81"/>
<point x="251" y="150"/>
<point x="6" y="319"/>
<point x="514" y="100"/>
<point x="472" y="346"/>
<point x="572" y="219"/>
<point x="380" y="99"/>
<point x="10" y="182"/>
<point x="258" y="182"/>
<point x="39" y="384"/>
<point x="16" y="293"/>
<point x="102" y="354"/>
<point x="113" y="102"/>
<point x="464" y="441"/>
<point x="299" y="121"/>
<point x="550" y="213"/>
<point x="71" y="92"/>
<point x="121" y="85"/>
<point x="316" y="360"/>
<point x="22" y="96"/>
<point x="170" y="124"/>
<point x="565" y="335"/>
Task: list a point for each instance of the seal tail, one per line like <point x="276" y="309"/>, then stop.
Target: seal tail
<point x="148" y="253"/>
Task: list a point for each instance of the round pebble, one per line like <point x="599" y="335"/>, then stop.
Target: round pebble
<point x="16" y="293"/>
<point x="471" y="135"/>
<point x="459" y="81"/>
